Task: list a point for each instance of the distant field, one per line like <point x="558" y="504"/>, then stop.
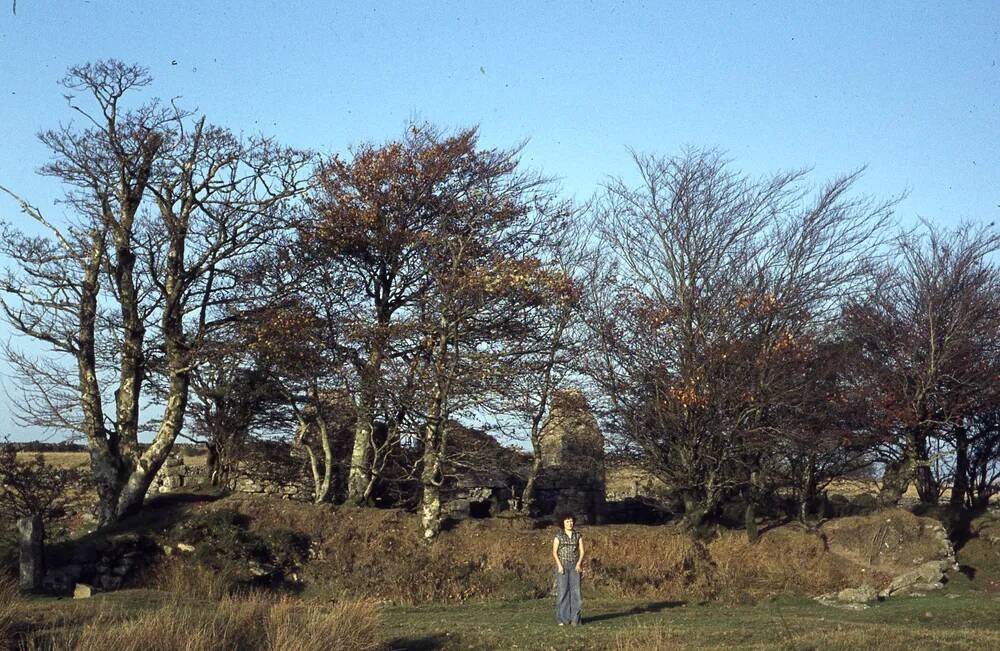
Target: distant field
<point x="623" y="480"/>
<point x="73" y="459"/>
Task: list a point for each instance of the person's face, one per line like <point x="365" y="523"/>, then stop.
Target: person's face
<point x="568" y="524"/>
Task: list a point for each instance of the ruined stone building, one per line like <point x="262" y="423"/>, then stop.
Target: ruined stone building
<point x="571" y="479"/>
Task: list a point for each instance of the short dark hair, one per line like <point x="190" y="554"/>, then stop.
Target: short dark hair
<point x="563" y="517"/>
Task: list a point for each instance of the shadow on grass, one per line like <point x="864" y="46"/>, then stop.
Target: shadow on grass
<point x="426" y="643"/>
<point x="655" y="607"/>
<point x="968" y="571"/>
<point x="157" y="515"/>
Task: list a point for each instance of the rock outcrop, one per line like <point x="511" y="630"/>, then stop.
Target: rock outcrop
<point x="904" y="553"/>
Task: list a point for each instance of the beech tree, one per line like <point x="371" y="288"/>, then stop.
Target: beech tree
<point x="928" y="328"/>
<point x="162" y="205"/>
<point x="546" y="361"/>
<point x="484" y="264"/>
<point x="359" y="264"/>
<point x="293" y="342"/>
<point x="721" y="287"/>
<point x="234" y="395"/>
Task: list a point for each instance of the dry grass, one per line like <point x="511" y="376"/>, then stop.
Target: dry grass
<point x="789" y="560"/>
<point x="10" y="602"/>
<point x="236" y="624"/>
<point x="888" y="541"/>
<point x="351" y="625"/>
<point x="378" y="554"/>
<point x="194" y="580"/>
<point x="74" y="459"/>
<point x="59" y="459"/>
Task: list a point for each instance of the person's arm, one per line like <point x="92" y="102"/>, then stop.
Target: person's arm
<point x="555" y="554"/>
<point x="579" y="562"/>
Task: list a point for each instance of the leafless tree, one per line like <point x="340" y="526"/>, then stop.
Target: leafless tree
<point x="161" y="207"/>
<point x="929" y="326"/>
<point x="720" y="293"/>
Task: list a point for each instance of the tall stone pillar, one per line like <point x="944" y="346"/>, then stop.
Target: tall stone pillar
<point x="31" y="536"/>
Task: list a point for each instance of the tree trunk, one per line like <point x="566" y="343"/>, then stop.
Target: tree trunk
<point x="960" y="480"/>
<point x="698" y="508"/>
<point x="431" y="478"/>
<point x="141" y="469"/>
<point x="105" y="459"/>
<point x="359" y="481"/>
<point x="432" y="475"/>
<point x="360" y="476"/>
<point x="807" y="500"/>
<point x="529" y="504"/>
<point x="927" y="487"/>
<point x="750" y="522"/>
<point x="137" y="483"/>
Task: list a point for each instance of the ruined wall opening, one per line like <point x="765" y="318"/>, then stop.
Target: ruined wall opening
<point x="480" y="509"/>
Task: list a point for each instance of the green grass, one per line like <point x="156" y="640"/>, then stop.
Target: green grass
<point x="960" y="617"/>
<point x="966" y="621"/>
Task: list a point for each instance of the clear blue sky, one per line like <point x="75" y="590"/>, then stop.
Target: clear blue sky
<point x="912" y="90"/>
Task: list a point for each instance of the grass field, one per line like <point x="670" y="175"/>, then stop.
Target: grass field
<point x="957" y="619"/>
<point x="963" y="616"/>
<point x="476" y="589"/>
<point x="935" y="622"/>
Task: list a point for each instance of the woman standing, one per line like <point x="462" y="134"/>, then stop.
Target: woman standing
<point x="567" y="550"/>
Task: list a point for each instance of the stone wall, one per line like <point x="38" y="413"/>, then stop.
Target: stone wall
<point x="176" y="475"/>
<point x="179" y="476"/>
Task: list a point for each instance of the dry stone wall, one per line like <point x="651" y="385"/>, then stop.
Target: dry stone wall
<point x="177" y="476"/>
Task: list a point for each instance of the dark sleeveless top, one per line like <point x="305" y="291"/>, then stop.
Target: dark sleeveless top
<point x="569" y="546"/>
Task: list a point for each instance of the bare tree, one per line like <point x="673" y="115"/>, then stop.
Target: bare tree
<point x="928" y="326"/>
<point x="544" y="362"/>
<point x="720" y="292"/>
<point x="161" y="207"/>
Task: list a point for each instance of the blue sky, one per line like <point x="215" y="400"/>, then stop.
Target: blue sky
<point x="912" y="90"/>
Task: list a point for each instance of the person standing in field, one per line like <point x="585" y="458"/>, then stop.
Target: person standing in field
<point x="568" y="552"/>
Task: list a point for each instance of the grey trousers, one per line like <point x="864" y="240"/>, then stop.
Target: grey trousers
<point x="568" y="600"/>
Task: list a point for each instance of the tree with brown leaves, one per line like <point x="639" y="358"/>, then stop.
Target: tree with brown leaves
<point x="719" y="296"/>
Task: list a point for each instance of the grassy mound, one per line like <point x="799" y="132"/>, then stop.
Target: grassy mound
<point x="379" y="554"/>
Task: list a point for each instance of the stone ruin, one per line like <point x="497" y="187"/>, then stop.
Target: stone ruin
<point x="571" y="479"/>
<point x="487" y="481"/>
<point x="175" y="475"/>
<point x="485" y="478"/>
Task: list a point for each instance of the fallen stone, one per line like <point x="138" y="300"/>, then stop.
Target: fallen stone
<point x="82" y="591"/>
<point x="859" y="595"/>
<point x="930" y="573"/>
<point x="832" y="601"/>
<point x="184" y="547"/>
